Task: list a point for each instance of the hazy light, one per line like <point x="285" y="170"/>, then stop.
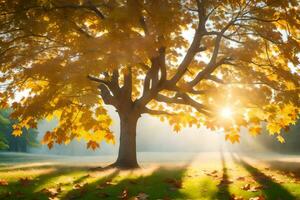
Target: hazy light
<point x="226" y="112"/>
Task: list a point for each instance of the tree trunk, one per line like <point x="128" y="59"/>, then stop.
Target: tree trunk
<point x="127" y="151"/>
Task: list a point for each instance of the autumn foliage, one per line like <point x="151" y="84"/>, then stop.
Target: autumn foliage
<point x="182" y="61"/>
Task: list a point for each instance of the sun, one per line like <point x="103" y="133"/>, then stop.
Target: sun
<point x="226" y="112"/>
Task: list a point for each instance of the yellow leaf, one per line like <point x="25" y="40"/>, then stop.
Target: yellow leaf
<point x="280" y="139"/>
<point x="274" y="128"/>
<point x="17" y="132"/>
<point x="177" y="128"/>
<point x="254" y="131"/>
<point x="233" y="137"/>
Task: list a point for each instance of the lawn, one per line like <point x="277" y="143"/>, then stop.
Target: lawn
<point x="199" y="176"/>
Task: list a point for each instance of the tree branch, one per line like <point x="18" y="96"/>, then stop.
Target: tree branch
<point x="184" y="100"/>
<point x="106" y="95"/>
<point x="95" y="9"/>
<point x="156" y="112"/>
<point x="194" y="47"/>
<point x="92" y="78"/>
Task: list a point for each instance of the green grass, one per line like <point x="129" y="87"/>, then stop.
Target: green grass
<point x="221" y="177"/>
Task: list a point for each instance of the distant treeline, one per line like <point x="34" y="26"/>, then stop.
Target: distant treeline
<point x="9" y="142"/>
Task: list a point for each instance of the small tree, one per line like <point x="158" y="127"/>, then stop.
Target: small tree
<point x="76" y="56"/>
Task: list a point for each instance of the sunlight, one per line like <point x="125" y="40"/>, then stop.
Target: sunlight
<point x="226" y="112"/>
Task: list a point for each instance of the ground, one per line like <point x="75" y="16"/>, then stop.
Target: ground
<point x="162" y="176"/>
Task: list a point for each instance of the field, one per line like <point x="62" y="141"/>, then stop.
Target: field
<point x="162" y="176"/>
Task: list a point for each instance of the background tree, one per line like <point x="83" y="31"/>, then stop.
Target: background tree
<point x="73" y="57"/>
<point x="11" y="143"/>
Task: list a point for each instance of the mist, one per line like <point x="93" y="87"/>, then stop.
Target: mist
<point x="156" y="136"/>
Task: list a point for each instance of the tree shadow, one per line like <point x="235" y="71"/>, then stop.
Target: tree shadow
<point x="32" y="188"/>
<point x="223" y="192"/>
<point x="162" y="183"/>
<point x="92" y="190"/>
<point x="271" y="189"/>
<point x="287" y="167"/>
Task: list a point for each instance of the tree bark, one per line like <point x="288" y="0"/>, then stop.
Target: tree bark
<point x="127" y="150"/>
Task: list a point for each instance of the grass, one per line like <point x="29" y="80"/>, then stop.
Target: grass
<point x="206" y="177"/>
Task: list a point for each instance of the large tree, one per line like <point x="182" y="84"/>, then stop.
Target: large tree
<point x="183" y="61"/>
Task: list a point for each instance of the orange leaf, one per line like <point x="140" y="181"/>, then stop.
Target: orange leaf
<point x="92" y="144"/>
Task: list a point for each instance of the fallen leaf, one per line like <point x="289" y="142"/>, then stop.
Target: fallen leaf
<point x="124" y="194"/>
<point x="50" y="192"/>
<point x="256" y="188"/>
<point x="253" y="189"/>
<point x="54" y="198"/>
<point x="105" y="184"/>
<point x="246" y="187"/>
<point x="212" y="174"/>
<point x="241" y="178"/>
<point x="79" y="186"/>
<point x="233" y="197"/>
<point x="225" y="182"/>
<point x="258" y="198"/>
<point x="3" y="182"/>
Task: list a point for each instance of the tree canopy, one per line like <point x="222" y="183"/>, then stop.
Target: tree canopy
<point x="183" y="61"/>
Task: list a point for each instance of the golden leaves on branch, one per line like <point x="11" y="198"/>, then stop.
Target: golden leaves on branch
<point x="255" y="130"/>
<point x="233" y="136"/>
<point x="80" y="122"/>
<point x="92" y="145"/>
<point x="17" y="131"/>
<point x="280" y="139"/>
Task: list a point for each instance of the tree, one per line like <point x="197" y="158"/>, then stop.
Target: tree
<point x="75" y="57"/>
<point x="11" y="143"/>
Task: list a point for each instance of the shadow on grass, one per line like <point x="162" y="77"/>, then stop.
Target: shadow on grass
<point x="286" y="167"/>
<point x="92" y="190"/>
<point x="161" y="183"/>
<point x="272" y="190"/>
<point x="223" y="192"/>
<point x="32" y="188"/>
